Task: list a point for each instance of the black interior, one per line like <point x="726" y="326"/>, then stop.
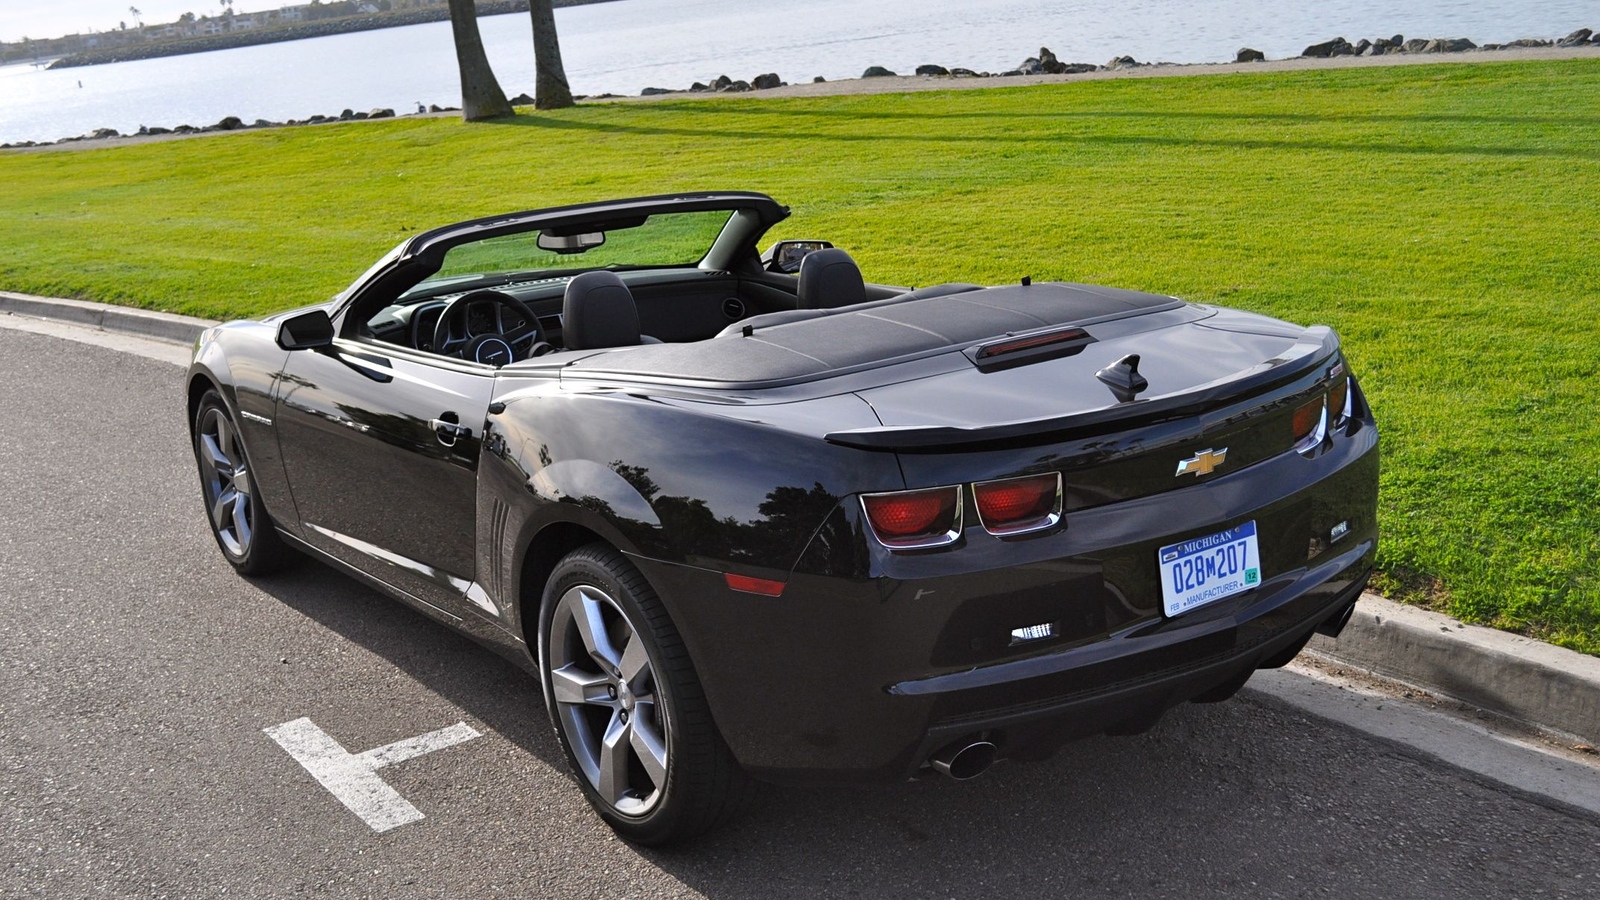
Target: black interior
<point x="674" y="306"/>
<point x="753" y="326"/>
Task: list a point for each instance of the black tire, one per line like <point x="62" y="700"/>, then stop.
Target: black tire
<point x="695" y="785"/>
<point x="244" y="532"/>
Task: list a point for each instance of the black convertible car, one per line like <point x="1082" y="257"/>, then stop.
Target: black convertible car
<point x="749" y="517"/>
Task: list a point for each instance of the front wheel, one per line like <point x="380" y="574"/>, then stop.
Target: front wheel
<point x="627" y="706"/>
<point x="239" y="522"/>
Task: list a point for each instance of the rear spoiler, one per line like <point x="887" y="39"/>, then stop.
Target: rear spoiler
<point x="1315" y="347"/>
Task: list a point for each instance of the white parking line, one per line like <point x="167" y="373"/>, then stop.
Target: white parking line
<point x="352" y="777"/>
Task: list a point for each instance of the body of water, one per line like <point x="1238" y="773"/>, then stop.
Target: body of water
<point x="627" y="45"/>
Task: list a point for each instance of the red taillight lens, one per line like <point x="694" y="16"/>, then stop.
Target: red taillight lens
<point x="1338" y="401"/>
<point x="923" y="518"/>
<point x="1019" y="504"/>
<point x="1307" y="424"/>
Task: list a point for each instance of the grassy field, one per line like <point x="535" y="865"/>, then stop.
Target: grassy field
<point x="1445" y="219"/>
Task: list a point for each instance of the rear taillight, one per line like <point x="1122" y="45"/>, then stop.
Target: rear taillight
<point x="1016" y="505"/>
<point x="1310" y="424"/>
<point x="911" y="520"/>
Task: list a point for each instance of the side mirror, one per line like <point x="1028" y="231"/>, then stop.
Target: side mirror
<point x="785" y="256"/>
<point x="306" y="331"/>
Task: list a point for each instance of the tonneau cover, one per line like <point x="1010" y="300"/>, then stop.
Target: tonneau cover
<point x="853" y="337"/>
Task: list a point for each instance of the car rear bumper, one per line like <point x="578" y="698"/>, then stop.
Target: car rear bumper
<point x="1130" y="703"/>
<point x="863" y="678"/>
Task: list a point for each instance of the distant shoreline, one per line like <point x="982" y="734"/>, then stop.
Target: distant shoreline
<point x="294" y="32"/>
<point x="881" y="85"/>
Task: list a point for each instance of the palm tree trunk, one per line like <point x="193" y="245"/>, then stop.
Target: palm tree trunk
<point x="550" y="90"/>
<point x="481" y="96"/>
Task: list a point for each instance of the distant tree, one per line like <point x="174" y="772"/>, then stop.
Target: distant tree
<point x="122" y="26"/>
<point x="186" y="19"/>
<point x="481" y="96"/>
<point x="134" y="10"/>
<point x="550" y="89"/>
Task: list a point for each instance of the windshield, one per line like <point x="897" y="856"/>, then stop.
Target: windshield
<point x="668" y="239"/>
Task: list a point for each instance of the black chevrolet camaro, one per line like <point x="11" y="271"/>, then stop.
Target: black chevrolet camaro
<point x="749" y="517"/>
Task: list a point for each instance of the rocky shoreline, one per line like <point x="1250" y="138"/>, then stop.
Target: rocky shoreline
<point x="1044" y="64"/>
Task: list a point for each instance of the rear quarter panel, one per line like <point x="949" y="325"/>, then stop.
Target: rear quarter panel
<point x="666" y="479"/>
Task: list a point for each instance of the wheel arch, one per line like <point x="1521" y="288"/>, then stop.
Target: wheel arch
<point x="543" y="551"/>
<point x="201" y="381"/>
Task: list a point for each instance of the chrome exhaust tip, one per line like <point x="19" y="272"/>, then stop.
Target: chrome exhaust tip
<point x="964" y="759"/>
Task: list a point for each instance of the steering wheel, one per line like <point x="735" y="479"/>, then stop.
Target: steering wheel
<point x="453" y="335"/>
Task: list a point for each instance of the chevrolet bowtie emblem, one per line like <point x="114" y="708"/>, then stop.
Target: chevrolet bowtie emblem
<point x="1202" y="463"/>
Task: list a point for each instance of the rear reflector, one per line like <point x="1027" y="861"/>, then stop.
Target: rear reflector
<point x="751" y="585"/>
<point x="1015" y="505"/>
<point x="908" y="520"/>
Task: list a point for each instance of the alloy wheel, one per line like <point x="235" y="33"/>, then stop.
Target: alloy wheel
<point x="605" y="690"/>
<point x="227" y="481"/>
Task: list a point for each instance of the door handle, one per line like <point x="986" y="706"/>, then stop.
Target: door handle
<point x="449" y="432"/>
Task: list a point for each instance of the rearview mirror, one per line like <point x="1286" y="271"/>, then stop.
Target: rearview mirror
<point x="571" y="243"/>
<point x="306" y="331"/>
<point x="785" y="256"/>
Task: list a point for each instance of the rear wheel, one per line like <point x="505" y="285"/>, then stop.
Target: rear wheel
<point x="627" y="706"/>
<point x="244" y="531"/>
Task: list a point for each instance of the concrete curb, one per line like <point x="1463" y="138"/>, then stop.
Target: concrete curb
<point x="142" y="322"/>
<point x="1534" y="682"/>
<point x="1537" y="683"/>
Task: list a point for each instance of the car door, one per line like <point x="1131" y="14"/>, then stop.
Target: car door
<point x="381" y="449"/>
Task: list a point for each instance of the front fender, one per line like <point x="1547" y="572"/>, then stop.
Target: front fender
<point x="242" y="361"/>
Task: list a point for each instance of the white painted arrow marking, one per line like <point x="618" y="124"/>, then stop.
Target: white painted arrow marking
<point x="352" y="777"/>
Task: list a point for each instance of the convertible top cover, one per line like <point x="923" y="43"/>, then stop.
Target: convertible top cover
<point x="875" y="332"/>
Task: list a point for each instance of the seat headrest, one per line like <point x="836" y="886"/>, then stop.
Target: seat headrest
<point x="829" y="278"/>
<point x="598" y="311"/>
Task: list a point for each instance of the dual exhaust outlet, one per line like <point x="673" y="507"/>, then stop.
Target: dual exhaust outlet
<point x="964" y="759"/>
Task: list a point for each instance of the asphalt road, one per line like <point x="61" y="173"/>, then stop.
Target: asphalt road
<point x="137" y="674"/>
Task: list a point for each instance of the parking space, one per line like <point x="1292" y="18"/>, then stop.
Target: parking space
<point x="158" y="713"/>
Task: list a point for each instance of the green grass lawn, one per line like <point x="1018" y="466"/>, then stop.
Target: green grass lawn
<point x="1444" y="218"/>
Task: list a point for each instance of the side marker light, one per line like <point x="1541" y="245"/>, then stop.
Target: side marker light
<point x="747" y="584"/>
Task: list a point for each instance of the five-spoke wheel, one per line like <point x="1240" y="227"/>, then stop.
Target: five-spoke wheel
<point x="605" y="692"/>
<point x="627" y="706"/>
<point x="239" y="522"/>
<point x="225" y="479"/>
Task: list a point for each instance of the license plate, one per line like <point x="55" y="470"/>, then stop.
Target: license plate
<point x="1206" y="569"/>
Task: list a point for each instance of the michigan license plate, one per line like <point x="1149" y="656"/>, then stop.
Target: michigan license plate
<point x="1206" y="569"/>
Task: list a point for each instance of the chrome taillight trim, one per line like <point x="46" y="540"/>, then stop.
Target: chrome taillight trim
<point x="1307" y="445"/>
<point x="944" y="540"/>
<point x="1050" y="521"/>
<point x="1349" y="398"/>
